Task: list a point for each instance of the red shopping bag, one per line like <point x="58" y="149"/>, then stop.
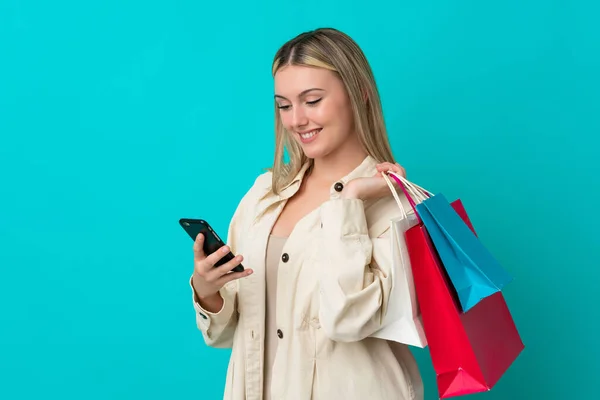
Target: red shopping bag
<point x="470" y="351"/>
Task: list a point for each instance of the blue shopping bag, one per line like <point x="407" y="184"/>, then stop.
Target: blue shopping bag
<point x="472" y="269"/>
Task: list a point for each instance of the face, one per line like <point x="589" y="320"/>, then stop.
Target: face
<point x="314" y="108"/>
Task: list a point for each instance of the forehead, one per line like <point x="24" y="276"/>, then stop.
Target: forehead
<point x="292" y="80"/>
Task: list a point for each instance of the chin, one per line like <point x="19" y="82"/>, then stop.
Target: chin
<point x="314" y="151"/>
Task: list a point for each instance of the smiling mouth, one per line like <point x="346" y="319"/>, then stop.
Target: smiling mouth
<point x="307" y="136"/>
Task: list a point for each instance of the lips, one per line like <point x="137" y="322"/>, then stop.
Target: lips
<point x="309" y="136"/>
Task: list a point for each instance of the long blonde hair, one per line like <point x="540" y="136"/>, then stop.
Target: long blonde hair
<point x="333" y="50"/>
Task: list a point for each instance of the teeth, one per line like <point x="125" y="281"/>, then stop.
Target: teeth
<point x="310" y="134"/>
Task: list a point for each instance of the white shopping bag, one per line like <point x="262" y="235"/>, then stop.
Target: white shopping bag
<point x="402" y="322"/>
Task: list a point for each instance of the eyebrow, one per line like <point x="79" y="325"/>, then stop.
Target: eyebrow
<point x="304" y="92"/>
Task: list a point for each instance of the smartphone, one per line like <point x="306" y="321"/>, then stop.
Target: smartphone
<point x="212" y="241"/>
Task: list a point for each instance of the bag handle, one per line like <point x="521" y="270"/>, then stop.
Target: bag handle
<point x="409" y="189"/>
<point x="406" y="186"/>
<point x="417" y="190"/>
<point x="395" y="194"/>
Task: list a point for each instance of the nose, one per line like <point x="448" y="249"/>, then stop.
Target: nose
<point x="299" y="118"/>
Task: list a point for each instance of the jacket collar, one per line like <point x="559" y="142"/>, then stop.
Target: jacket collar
<point x="366" y="168"/>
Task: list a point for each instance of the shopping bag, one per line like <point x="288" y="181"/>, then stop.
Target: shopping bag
<point x="473" y="270"/>
<point x="472" y="350"/>
<point x="402" y="321"/>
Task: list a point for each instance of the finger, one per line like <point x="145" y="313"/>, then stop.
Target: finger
<point x="214" y="258"/>
<point x="384" y="167"/>
<point x="224" y="269"/>
<point x="199" y="248"/>
<point x="401" y="170"/>
<point x="387" y="166"/>
<point x="395" y="168"/>
<point x="233" y="276"/>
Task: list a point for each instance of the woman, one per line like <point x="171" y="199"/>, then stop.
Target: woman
<point x="313" y="233"/>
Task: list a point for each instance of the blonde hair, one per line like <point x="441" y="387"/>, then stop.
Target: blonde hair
<point x="333" y="50"/>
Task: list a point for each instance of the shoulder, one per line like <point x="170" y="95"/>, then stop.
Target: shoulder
<point x="248" y="205"/>
<point x="263" y="182"/>
<point x="256" y="193"/>
<point x="261" y="187"/>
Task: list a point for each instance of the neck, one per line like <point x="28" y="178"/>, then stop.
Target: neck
<point x="339" y="163"/>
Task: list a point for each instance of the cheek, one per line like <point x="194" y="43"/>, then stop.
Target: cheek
<point x="334" y="115"/>
<point x="286" y="119"/>
<point x="346" y="119"/>
<point x="324" y="115"/>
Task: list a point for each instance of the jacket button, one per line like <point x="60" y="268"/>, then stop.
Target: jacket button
<point x="285" y="257"/>
<point x="338" y="187"/>
<point x="279" y="334"/>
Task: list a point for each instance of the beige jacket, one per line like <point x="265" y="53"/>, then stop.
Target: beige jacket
<point x="332" y="291"/>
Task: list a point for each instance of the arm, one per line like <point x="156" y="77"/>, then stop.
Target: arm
<point x="355" y="281"/>
<point x="217" y="315"/>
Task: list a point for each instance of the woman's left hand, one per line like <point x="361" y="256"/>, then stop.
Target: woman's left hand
<point x="372" y="187"/>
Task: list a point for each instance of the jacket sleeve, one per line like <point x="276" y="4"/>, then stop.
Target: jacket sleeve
<point x="355" y="279"/>
<point x="218" y="328"/>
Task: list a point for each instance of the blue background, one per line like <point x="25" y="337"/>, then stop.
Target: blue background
<point x="118" y="118"/>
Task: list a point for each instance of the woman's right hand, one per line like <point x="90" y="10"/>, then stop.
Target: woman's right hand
<point x="208" y="280"/>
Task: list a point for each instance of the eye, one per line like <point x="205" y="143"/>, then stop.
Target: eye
<point x="313" y="102"/>
<point x="283" y="107"/>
